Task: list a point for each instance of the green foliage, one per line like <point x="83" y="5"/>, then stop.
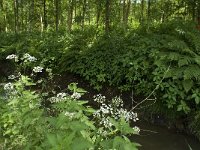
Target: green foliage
<point x="26" y="124"/>
<point x="140" y="59"/>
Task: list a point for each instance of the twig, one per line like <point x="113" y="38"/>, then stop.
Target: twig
<point x="152" y="91"/>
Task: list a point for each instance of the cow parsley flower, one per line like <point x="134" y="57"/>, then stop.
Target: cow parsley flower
<point x="136" y="129"/>
<point x="37" y="69"/>
<point x="106" y="122"/>
<point x="69" y="114"/>
<point x="30" y="58"/>
<point x="61" y="95"/>
<point x="11" y="77"/>
<point x="117" y="101"/>
<point x="12" y="56"/>
<point x="76" y="95"/>
<point x="99" y="98"/>
<point x="8" y="87"/>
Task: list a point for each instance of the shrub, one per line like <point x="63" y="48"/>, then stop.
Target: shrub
<point x="27" y="124"/>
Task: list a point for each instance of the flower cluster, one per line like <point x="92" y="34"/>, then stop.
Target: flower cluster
<point x="61" y="95"/>
<point x="106" y="122"/>
<point x="8" y="87"/>
<point x="99" y="98"/>
<point x="12" y="77"/>
<point x="136" y="129"/>
<point x="12" y="56"/>
<point x="114" y="110"/>
<point x="126" y="114"/>
<point x="37" y="69"/>
<point x="76" y="95"/>
<point x="69" y="114"/>
<point x="59" y="98"/>
<point x="29" y="58"/>
<point x="117" y="101"/>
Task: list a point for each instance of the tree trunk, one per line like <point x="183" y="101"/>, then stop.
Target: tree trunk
<point x="70" y="15"/>
<point x="142" y="12"/>
<point x="16" y="5"/>
<point x="127" y="12"/>
<point x="84" y="12"/>
<point x="124" y="11"/>
<point x="149" y="10"/>
<point x="107" y="16"/>
<point x="31" y="15"/>
<point x="57" y="14"/>
<point x="194" y="10"/>
<point x="44" y="19"/>
<point x="98" y="14"/>
<point x="22" y="28"/>
<point x="198" y="14"/>
<point x="1" y="11"/>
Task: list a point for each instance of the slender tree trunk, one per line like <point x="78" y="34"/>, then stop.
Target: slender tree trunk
<point x="133" y="10"/>
<point x="70" y="14"/>
<point x="84" y="12"/>
<point x="31" y="15"/>
<point x="16" y="15"/>
<point x="98" y="14"/>
<point x="57" y="14"/>
<point x="44" y="18"/>
<point x="124" y="11"/>
<point x="127" y="12"/>
<point x="1" y="11"/>
<point x="142" y="12"/>
<point x="107" y="15"/>
<point x="198" y="14"/>
<point x="149" y="10"/>
<point x="22" y="16"/>
<point x="194" y="10"/>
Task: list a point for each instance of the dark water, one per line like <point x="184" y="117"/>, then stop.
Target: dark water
<point x="154" y="137"/>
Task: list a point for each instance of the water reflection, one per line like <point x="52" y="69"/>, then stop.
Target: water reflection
<point x="154" y="137"/>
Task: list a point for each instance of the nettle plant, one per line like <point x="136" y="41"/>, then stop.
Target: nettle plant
<point x="26" y="124"/>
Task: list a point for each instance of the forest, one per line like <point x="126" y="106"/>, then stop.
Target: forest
<point x="99" y="74"/>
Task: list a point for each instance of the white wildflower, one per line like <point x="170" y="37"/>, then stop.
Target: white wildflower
<point x="53" y="99"/>
<point x="76" y="95"/>
<point x="11" y="77"/>
<point x="106" y="122"/>
<point x="99" y="98"/>
<point x="105" y="109"/>
<point x="97" y="114"/>
<point x="30" y="58"/>
<point x="37" y="69"/>
<point x="126" y="114"/>
<point x="136" y="129"/>
<point x="102" y="132"/>
<point x="9" y="86"/>
<point x="12" y="56"/>
<point x="117" y="101"/>
<point x="61" y="95"/>
<point x="69" y="114"/>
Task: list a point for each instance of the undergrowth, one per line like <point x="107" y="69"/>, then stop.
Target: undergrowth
<point x="135" y="60"/>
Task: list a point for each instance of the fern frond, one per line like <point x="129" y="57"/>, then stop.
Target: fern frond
<point x="192" y="72"/>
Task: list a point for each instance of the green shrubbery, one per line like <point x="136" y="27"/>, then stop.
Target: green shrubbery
<point x="66" y="123"/>
<point x="140" y="59"/>
<point x="165" y="57"/>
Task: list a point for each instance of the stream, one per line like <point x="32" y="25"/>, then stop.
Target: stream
<point x="153" y="137"/>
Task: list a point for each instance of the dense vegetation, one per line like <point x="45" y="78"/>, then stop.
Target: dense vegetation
<point x="149" y="47"/>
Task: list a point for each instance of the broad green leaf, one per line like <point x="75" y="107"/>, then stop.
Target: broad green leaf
<point x="187" y="85"/>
